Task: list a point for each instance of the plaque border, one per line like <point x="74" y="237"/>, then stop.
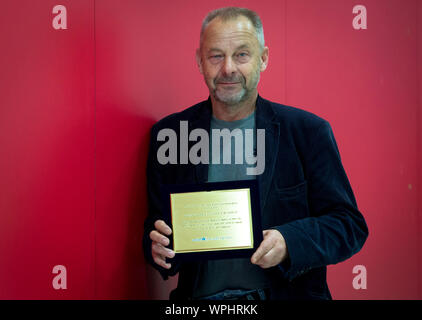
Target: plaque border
<point x="252" y="185"/>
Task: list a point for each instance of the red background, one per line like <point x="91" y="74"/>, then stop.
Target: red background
<point x="76" y="106"/>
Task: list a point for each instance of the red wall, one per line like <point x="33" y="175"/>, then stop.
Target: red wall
<point x="47" y="132"/>
<point x="419" y="34"/>
<point x="76" y="106"/>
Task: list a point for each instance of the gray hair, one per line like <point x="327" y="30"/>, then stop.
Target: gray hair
<point x="230" y="13"/>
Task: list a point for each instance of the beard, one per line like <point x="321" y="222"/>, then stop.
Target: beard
<point x="229" y="97"/>
<point x="234" y="96"/>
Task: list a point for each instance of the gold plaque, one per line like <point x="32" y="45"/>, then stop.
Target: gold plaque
<point x="212" y="220"/>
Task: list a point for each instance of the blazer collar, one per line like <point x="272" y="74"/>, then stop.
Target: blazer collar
<point x="264" y="113"/>
<point x="264" y="119"/>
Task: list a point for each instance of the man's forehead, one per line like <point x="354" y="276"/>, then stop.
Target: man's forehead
<point x="236" y="46"/>
<point x="239" y="30"/>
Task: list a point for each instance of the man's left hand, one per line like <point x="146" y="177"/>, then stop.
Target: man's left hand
<point x="271" y="251"/>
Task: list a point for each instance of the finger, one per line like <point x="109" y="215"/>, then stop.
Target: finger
<point x="158" y="259"/>
<point x="162" y="227"/>
<point x="159" y="249"/>
<point x="263" y="248"/>
<point x="158" y="237"/>
<point x="268" y="259"/>
<point x="273" y="257"/>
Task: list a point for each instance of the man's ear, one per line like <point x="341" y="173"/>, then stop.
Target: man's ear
<point x="264" y="58"/>
<point x="199" y="60"/>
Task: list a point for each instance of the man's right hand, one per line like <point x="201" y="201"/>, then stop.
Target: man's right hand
<point x="160" y="242"/>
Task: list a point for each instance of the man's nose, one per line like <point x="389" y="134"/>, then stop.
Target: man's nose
<point x="229" y="66"/>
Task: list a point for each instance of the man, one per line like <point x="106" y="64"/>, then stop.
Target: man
<point x="309" y="214"/>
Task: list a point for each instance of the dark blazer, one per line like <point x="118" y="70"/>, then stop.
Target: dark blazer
<point x="304" y="193"/>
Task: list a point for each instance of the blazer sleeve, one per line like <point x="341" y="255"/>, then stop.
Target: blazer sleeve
<point x="154" y="175"/>
<point x="335" y="229"/>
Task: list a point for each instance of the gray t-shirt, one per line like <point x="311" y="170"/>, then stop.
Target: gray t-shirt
<point x="239" y="273"/>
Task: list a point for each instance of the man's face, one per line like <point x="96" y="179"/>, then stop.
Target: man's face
<point x="231" y="59"/>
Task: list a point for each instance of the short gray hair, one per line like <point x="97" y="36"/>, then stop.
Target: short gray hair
<point x="230" y="13"/>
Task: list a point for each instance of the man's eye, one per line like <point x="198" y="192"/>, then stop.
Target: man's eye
<point x="217" y="58"/>
<point x="242" y="57"/>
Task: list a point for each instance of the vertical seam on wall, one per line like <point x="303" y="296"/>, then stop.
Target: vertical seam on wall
<point x="418" y="34"/>
<point x="95" y="158"/>
<point x="285" y="51"/>
<point x="419" y="140"/>
<point x="418" y="150"/>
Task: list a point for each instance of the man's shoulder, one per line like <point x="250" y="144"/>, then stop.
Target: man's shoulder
<point x="290" y="116"/>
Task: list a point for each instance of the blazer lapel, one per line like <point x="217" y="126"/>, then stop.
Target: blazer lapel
<point x="264" y="120"/>
<point x="203" y="121"/>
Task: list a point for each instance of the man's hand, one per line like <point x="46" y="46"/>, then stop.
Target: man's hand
<point x="271" y="251"/>
<point x="160" y="242"/>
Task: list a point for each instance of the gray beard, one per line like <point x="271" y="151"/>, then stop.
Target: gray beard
<point x="232" y="99"/>
<point x="243" y="95"/>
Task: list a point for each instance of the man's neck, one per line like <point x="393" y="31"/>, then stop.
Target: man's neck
<point x="234" y="112"/>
